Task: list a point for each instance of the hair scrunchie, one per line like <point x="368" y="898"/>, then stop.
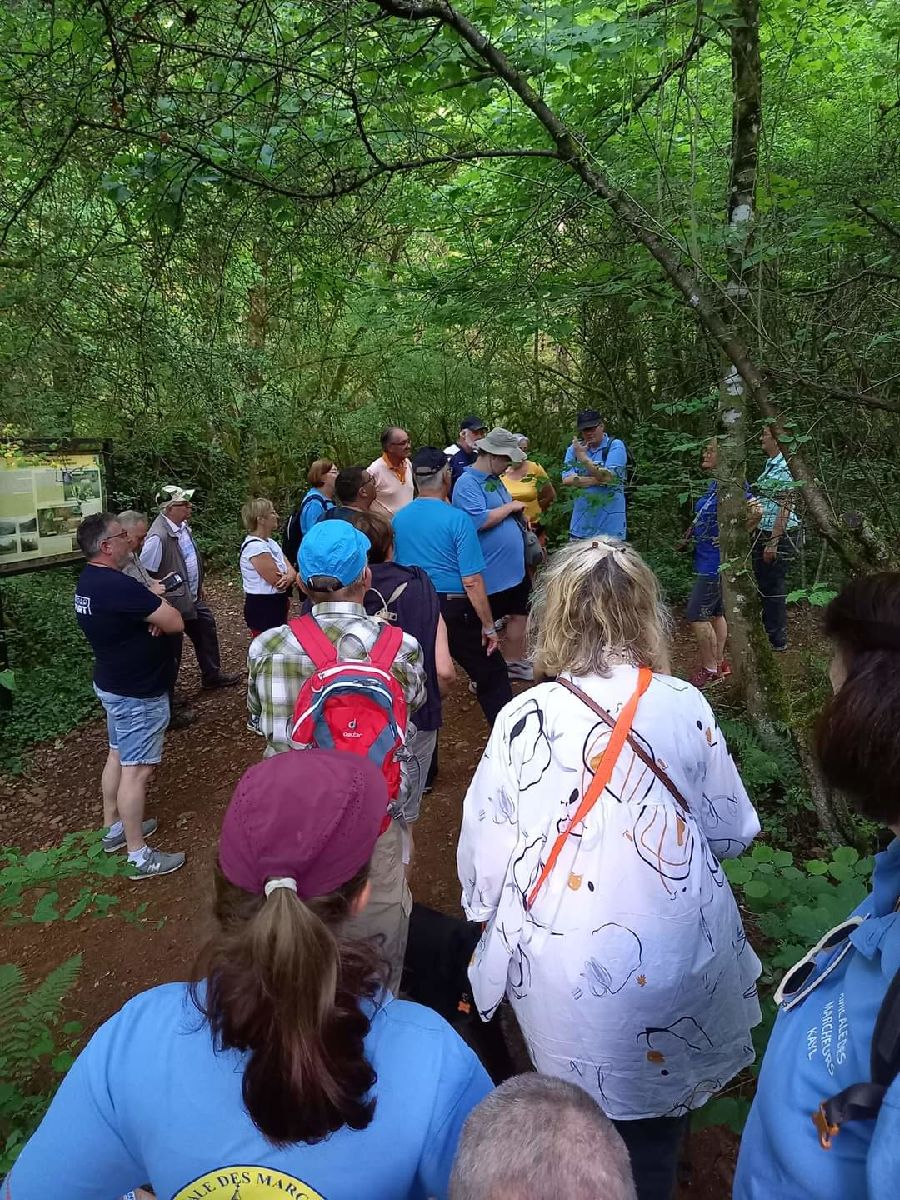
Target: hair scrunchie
<point x="284" y="881"/>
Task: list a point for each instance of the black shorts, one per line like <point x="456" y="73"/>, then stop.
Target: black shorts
<point x="511" y="602"/>
<point x="705" y="600"/>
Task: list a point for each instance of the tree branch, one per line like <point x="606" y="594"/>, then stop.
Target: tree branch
<point x="342" y="185"/>
<point x="890" y="229"/>
<point x="694" y="46"/>
<point x="866" y="399"/>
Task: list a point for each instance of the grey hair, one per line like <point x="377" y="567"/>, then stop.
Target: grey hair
<point x="431" y="482"/>
<point x="131" y="517"/>
<point x="521" y="437"/>
<point x="92" y="532"/>
<point x="540" y="1138"/>
<point x="345" y="593"/>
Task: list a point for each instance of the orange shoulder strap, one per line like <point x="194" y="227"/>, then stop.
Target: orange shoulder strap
<point x="602" y="776"/>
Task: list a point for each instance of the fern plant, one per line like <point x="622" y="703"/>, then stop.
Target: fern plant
<point x="34" y="1050"/>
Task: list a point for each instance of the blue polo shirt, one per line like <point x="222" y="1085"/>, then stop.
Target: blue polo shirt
<point x="600" y="509"/>
<point x="817" y="1049"/>
<point x="440" y="539"/>
<point x="186" y="1130"/>
<point x="503" y="546"/>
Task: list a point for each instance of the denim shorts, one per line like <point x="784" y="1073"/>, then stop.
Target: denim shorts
<point x="136" y="726"/>
<point x="705" y="601"/>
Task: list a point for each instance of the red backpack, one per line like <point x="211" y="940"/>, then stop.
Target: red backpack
<point x="352" y="705"/>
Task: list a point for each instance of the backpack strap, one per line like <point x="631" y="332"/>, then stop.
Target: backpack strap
<point x="649" y="762"/>
<point x="386" y="648"/>
<point x="602" y="776"/>
<point x="313" y="641"/>
<point x="862" y="1101"/>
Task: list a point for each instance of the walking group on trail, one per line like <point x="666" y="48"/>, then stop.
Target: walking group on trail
<point x="589" y="858"/>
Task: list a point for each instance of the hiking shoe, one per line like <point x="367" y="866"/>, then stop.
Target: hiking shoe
<point x="724" y="669"/>
<point x="157" y="862"/>
<point x="117" y="842"/>
<point x="521" y="670"/>
<point x="703" y="677"/>
<point x="181" y="718"/>
<point x="473" y="687"/>
<point x="221" y="680"/>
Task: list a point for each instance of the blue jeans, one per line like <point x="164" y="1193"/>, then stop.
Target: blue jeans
<point x="136" y="726"/>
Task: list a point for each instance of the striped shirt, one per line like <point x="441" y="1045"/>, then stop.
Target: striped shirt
<point x="278" y="665"/>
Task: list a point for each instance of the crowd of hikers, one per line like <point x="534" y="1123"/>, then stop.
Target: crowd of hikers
<point x="607" y="947"/>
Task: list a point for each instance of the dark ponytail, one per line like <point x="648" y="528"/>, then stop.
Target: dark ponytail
<point x="284" y="988"/>
<point x="858" y="732"/>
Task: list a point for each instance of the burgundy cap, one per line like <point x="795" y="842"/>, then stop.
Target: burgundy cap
<point x="313" y="815"/>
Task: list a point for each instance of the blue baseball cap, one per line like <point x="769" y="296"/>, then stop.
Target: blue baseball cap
<point x="332" y="555"/>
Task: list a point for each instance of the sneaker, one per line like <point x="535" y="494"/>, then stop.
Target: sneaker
<point x="117" y="841"/>
<point x="724" y="669"/>
<point x="473" y="687"/>
<point x="181" y="718"/>
<point x="780" y="649"/>
<point x="521" y="670"/>
<point x="157" y="862"/>
<point x="703" y="677"/>
<point x="222" y="680"/>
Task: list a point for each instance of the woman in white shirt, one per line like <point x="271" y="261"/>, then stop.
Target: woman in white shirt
<point x="266" y="574"/>
<point x="612" y="929"/>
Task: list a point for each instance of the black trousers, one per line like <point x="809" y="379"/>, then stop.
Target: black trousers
<point x="488" y="672"/>
<point x="771" y="579"/>
<point x="202" y="631"/>
<point x="653" y="1146"/>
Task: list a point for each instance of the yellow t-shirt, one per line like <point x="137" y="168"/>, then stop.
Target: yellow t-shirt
<point x="526" y="489"/>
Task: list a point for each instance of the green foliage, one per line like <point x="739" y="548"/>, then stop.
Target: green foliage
<point x="50" y="659"/>
<point x="35" y="1049"/>
<point x="78" y="856"/>
<point x="787" y="908"/>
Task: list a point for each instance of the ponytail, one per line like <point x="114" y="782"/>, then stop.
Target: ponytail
<point x="285" y="989"/>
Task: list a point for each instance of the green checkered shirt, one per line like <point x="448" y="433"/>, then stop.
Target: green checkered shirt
<point x="278" y="666"/>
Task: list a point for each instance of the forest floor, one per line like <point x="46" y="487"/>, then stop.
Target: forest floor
<point x="60" y="792"/>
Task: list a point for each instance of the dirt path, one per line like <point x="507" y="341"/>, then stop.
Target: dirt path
<point x="60" y="792"/>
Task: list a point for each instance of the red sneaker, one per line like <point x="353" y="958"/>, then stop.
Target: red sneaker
<point x="703" y="677"/>
<point x="724" y="668"/>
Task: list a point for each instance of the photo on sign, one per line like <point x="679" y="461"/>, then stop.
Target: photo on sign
<point x="81" y="485"/>
<point x="7" y="528"/>
<point x="60" y="519"/>
<point x="29" y="526"/>
<point x="30" y="545"/>
<point x="8" y="547"/>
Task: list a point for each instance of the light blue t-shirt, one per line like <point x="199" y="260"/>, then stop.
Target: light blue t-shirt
<point x="599" y="509"/>
<point x="440" y="539"/>
<point x="149" y="1099"/>
<point x="817" y="1049"/>
<point x="313" y="508"/>
<point x="503" y="546"/>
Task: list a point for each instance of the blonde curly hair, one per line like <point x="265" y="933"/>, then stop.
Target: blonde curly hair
<point x="595" y="604"/>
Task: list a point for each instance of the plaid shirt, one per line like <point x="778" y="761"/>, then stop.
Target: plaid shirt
<point x="278" y="666"/>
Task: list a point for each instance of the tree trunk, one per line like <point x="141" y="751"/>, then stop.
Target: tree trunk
<point x="757" y="676"/>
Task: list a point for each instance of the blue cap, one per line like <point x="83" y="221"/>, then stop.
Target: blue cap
<point x="332" y="555"/>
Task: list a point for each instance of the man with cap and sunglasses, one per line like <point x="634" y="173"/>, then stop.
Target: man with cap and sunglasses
<point x="334" y="573"/>
<point x="169" y="550"/>
<point x="500" y="525"/>
<point x="596" y="464"/>
<point x="433" y="535"/>
<point x="286" y="1070"/>
<point x="463" y="453"/>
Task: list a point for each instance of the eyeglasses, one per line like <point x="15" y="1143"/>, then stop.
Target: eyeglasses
<point x="801" y="979"/>
<point x="111" y="537"/>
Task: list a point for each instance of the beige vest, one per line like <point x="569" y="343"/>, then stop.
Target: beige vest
<point x="173" y="560"/>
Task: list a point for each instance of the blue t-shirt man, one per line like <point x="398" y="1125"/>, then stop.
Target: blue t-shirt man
<point x="706" y="532"/>
<point x="819" y="1047"/>
<point x="441" y="540"/>
<point x="112" y="610"/>
<point x="186" y="1130"/>
<point x="503" y="545"/>
<point x="600" y="508"/>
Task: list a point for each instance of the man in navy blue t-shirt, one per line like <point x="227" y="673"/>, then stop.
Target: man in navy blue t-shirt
<point x="135" y="660"/>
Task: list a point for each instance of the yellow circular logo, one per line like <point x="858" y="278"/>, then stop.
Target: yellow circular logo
<point x="246" y="1183"/>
